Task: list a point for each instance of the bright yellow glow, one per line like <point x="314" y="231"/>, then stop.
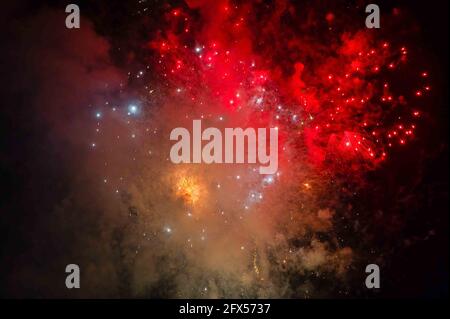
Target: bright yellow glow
<point x="189" y="189"/>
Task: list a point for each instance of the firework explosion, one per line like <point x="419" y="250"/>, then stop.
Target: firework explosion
<point x="337" y="109"/>
<point x="347" y="102"/>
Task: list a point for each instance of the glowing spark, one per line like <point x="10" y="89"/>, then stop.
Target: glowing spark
<point x="189" y="190"/>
